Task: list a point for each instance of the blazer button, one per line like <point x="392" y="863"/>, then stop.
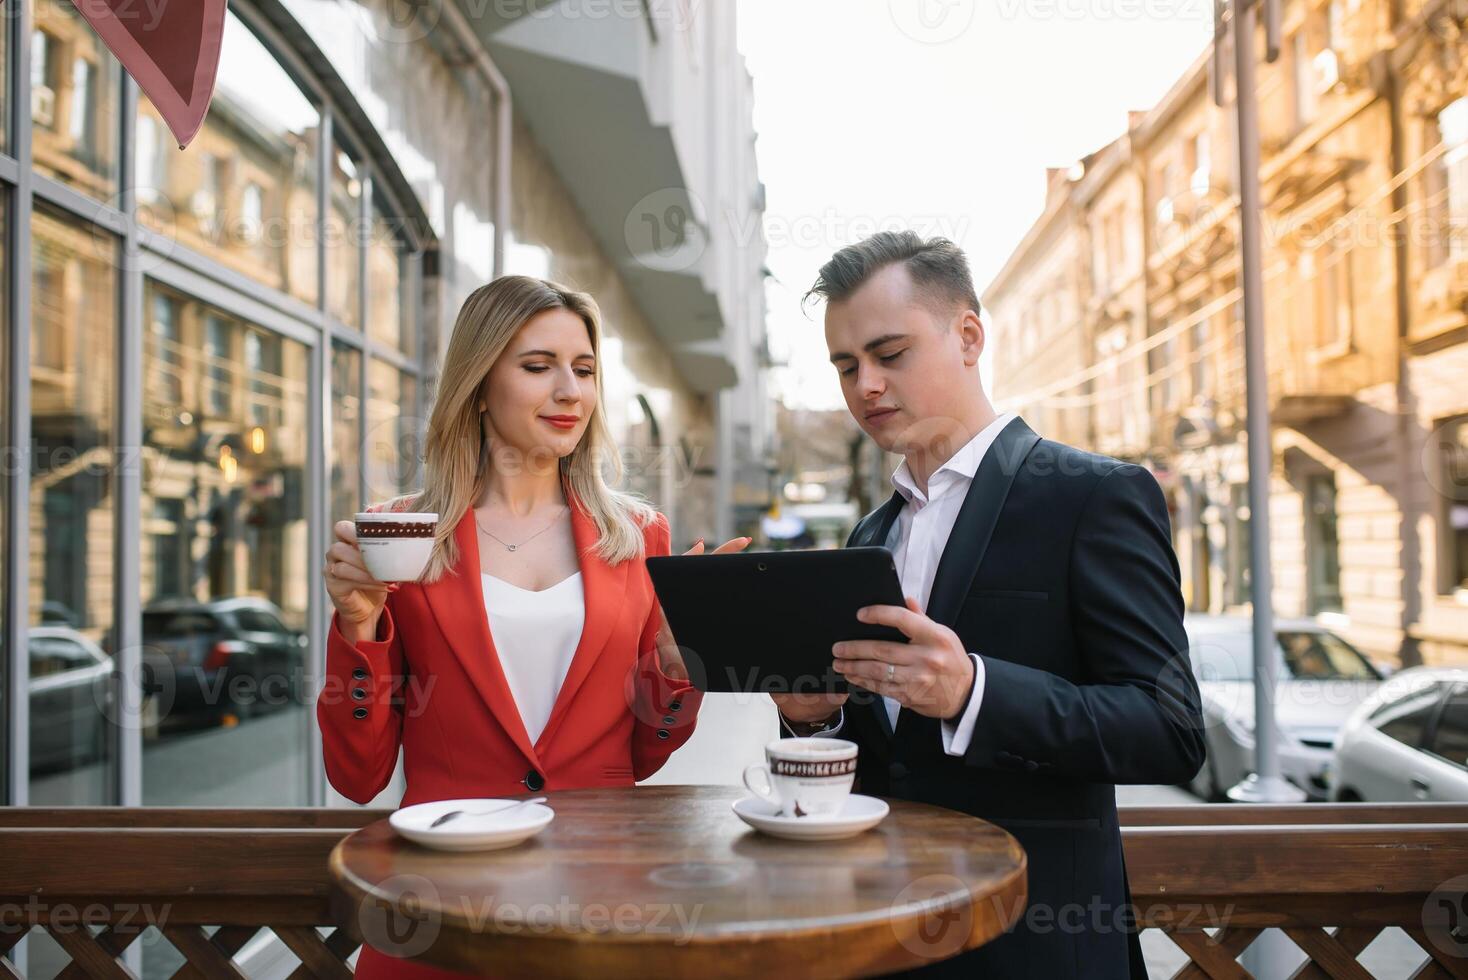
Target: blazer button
<point x="359" y="694"/>
<point x="898" y="771"/>
<point x="533" y="781"/>
<point x="360" y="713"/>
<point x="675" y="705"/>
<point x="359" y="674"/>
<point x="670" y="720"/>
<point x="662" y="733"/>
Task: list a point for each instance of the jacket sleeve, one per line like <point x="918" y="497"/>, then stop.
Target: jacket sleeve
<point x="361" y="733"/>
<point x="666" y="710"/>
<point x="1136" y="717"/>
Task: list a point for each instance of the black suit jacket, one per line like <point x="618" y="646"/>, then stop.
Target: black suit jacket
<point x="1060" y="574"/>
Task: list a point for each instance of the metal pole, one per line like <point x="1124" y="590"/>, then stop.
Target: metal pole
<point x="1265" y="785"/>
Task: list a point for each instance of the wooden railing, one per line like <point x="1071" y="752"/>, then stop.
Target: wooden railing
<point x="1331" y="877"/>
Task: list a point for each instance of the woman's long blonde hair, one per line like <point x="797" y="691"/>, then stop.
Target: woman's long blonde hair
<point x="457" y="456"/>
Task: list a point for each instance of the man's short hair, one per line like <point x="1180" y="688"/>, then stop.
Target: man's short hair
<point x="938" y="268"/>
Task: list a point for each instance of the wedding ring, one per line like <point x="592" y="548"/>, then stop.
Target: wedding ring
<point x="891" y="669"/>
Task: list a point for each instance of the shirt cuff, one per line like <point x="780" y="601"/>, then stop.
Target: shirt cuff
<point x="956" y="735"/>
<point x="833" y="730"/>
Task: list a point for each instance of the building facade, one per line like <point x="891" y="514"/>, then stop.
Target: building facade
<point x="213" y="354"/>
<point x="1364" y="181"/>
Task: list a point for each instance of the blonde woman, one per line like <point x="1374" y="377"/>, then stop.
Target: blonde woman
<point x="529" y="656"/>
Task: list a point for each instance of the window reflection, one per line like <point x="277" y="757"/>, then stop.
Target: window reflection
<point x="393" y="446"/>
<point x="224" y="576"/>
<point x="74" y="101"/>
<point x="73" y="329"/>
<point x="244" y="193"/>
<point x="387" y="278"/>
<point x="346" y="436"/>
<point x="344" y="241"/>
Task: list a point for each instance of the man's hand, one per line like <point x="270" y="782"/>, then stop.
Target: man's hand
<point x="670" y="658"/>
<point x="931" y="673"/>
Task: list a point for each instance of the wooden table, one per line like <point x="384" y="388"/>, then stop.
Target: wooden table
<point x="667" y="881"/>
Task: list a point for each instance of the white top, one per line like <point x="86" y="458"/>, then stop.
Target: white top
<point x="536" y="635"/>
<point x="920" y="535"/>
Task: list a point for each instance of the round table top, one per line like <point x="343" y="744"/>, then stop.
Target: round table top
<point x="639" y="881"/>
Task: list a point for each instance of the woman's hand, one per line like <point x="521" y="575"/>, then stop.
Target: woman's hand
<point x="358" y="596"/>
<point x="670" y="660"/>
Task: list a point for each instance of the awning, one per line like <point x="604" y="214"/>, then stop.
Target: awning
<point x="172" y="52"/>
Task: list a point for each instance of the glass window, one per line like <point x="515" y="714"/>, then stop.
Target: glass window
<point x="8" y="455"/>
<point x="1452" y="175"/>
<point x="344" y="241"/>
<point x="1324" y="656"/>
<point x="224" y="530"/>
<point x="244" y="192"/>
<point x="1323" y="542"/>
<point x="388" y="317"/>
<point x="4" y="118"/>
<point x="1406" y="718"/>
<point x="73" y="346"/>
<point x="1450" y="741"/>
<point x="392" y="432"/>
<point x="346" y="435"/>
<point x="1452" y="439"/>
<point x="74" y="101"/>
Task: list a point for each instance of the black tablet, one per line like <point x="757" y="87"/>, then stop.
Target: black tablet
<point x="766" y="621"/>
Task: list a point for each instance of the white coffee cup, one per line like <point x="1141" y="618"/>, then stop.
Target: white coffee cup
<point x="805" y="776"/>
<point x="395" y="546"/>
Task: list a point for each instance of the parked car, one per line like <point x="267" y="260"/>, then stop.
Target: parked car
<point x="232" y="656"/>
<point x="1409" y="742"/>
<point x="69" y="690"/>
<point x="1322" y="680"/>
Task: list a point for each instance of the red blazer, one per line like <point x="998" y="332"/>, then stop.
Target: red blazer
<point x="433" y="684"/>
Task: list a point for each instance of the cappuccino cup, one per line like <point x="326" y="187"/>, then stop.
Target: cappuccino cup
<point x="395" y="546"/>
<point x="805" y="776"/>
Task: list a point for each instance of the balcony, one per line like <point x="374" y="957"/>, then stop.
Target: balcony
<point x="602" y="90"/>
<point x="1330" y="876"/>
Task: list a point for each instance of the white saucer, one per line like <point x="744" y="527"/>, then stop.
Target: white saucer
<point x="470" y="832"/>
<point x="857" y="814"/>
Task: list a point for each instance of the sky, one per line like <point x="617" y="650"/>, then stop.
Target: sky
<point x="939" y="115"/>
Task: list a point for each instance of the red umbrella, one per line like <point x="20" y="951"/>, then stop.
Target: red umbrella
<point x="172" y="50"/>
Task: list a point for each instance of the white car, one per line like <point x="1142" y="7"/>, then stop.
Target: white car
<point x="1409" y="742"/>
<point x="1322" y="681"/>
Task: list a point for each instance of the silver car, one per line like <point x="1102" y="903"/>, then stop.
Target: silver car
<point x="1409" y="742"/>
<point x="1322" y="681"/>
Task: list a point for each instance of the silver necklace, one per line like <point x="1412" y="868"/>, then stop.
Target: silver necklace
<point x="514" y="547"/>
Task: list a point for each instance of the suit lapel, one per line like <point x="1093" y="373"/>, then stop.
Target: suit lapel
<point x="973" y="528"/>
<point x="974" y="525"/>
<point x="457" y="603"/>
<point x="605" y="588"/>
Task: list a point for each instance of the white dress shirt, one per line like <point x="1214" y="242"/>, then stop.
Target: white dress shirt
<point x="917" y="539"/>
<point x="535" y="635"/>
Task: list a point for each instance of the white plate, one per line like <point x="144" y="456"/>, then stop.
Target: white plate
<point x="470" y="832"/>
<point x="857" y="814"/>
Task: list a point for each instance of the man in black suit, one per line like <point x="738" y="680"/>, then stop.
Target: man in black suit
<point x="1045" y="659"/>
